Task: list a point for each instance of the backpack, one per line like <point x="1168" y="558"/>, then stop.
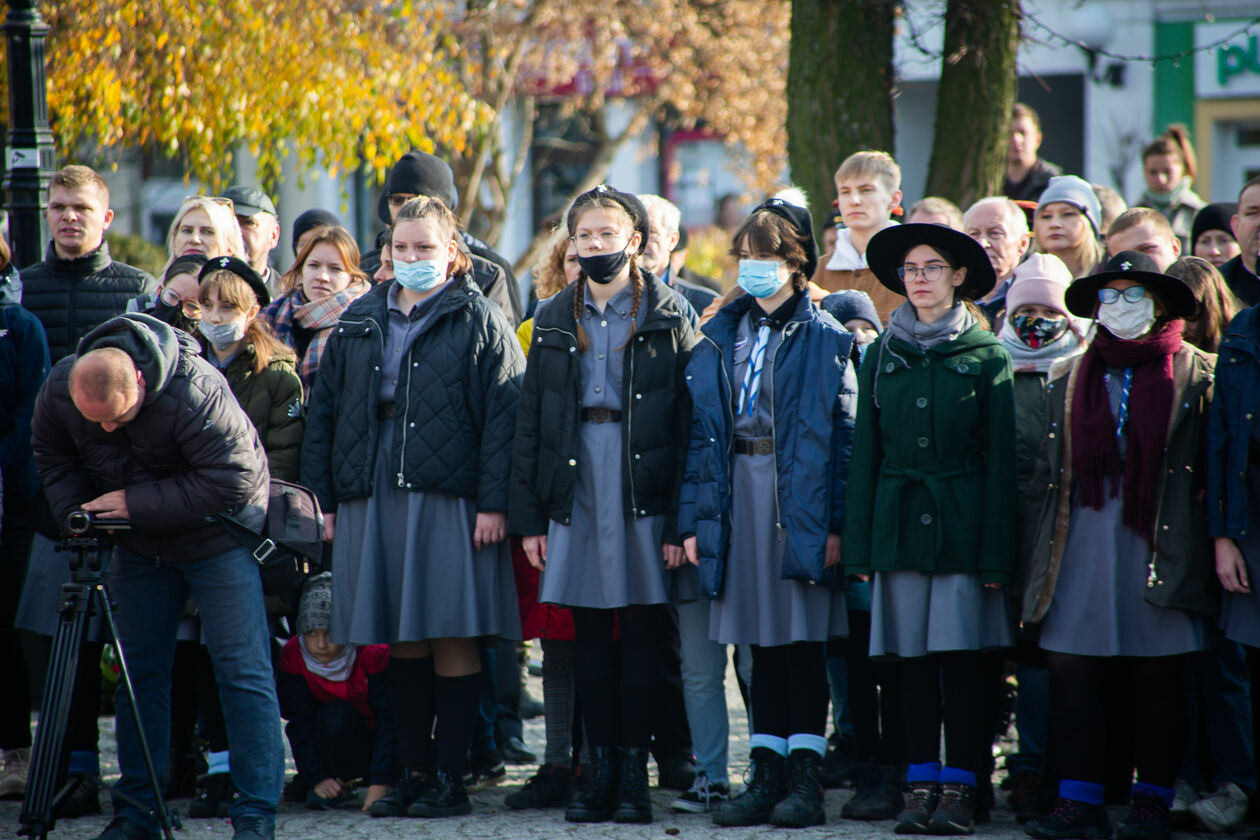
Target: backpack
<point x="291" y="546"/>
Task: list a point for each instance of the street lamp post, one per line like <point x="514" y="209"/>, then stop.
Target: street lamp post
<point x="29" y="155"/>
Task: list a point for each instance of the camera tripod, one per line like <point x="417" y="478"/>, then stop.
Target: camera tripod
<point x="85" y="594"/>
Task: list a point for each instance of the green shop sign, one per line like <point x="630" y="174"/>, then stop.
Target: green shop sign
<point x="1235" y="59"/>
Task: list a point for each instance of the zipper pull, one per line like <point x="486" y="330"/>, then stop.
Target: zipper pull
<point x="401" y="483"/>
<point x="1152" y="578"/>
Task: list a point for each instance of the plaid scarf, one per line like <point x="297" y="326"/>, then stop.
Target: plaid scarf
<point x="319" y="317"/>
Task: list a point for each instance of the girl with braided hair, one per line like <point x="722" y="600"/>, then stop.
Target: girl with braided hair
<point x="596" y="466"/>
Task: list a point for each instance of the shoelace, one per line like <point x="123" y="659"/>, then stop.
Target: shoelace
<point x="248" y="823"/>
<point x="951" y="798"/>
<point x="919" y="798"/>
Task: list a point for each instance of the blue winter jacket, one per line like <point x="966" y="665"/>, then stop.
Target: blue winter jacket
<point x="815" y="406"/>
<point x="1232" y="419"/>
<point x="24" y="365"/>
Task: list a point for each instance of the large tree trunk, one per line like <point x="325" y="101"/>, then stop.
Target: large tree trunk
<point x="839" y="89"/>
<point x="974" y="101"/>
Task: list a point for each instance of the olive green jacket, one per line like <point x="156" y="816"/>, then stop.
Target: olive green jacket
<point x="932" y="480"/>
<point x="273" y="401"/>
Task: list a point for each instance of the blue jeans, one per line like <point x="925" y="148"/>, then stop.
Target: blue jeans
<point x="228" y="591"/>
<point x="704" y="690"/>
<point x="1220" y="717"/>
<point x="1032" y="718"/>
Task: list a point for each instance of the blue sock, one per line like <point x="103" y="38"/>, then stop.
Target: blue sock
<point x="1166" y="794"/>
<point x="928" y="771"/>
<point x="85" y="763"/>
<point x="218" y="762"/>
<point x="771" y="742"/>
<point x="805" y="741"/>
<point x="957" y="776"/>
<point x="1091" y="793"/>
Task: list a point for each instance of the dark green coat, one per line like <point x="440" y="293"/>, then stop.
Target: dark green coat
<point x="932" y="480"/>
<point x="273" y="401"/>
<point x="1180" y="571"/>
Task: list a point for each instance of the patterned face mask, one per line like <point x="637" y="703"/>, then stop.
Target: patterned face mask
<point x="1037" y="332"/>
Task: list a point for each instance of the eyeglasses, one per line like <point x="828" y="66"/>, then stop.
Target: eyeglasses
<point x="930" y="272"/>
<point x="170" y="297"/>
<point x="1132" y="294"/>
<point x="586" y="240"/>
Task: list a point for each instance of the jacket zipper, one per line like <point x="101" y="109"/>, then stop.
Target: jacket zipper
<point x="629" y="399"/>
<point x="778" y="518"/>
<point x="380" y="338"/>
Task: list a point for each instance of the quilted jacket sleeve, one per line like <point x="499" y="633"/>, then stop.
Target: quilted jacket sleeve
<point x="501" y="367"/>
<point x="527" y="515"/>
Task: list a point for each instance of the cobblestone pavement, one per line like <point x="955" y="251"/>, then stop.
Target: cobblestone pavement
<point x="491" y="819"/>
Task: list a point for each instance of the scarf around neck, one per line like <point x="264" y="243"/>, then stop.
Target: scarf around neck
<point x="337" y="669"/>
<point x="1095" y="448"/>
<point x="905" y="325"/>
<point x="1172" y="198"/>
<point x="1025" y="359"/>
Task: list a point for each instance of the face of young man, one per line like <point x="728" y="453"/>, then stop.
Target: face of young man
<point x="1160" y="247"/>
<point x="865" y="203"/>
<point x="77" y="218"/>
<point x="1025" y="141"/>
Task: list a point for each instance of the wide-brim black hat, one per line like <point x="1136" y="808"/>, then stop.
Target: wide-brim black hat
<point x="1177" y="298"/>
<point x="242" y="270"/>
<point x="887" y="250"/>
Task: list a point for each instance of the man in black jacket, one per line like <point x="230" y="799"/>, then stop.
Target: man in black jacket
<point x="78" y="286"/>
<point x="137" y="426"/>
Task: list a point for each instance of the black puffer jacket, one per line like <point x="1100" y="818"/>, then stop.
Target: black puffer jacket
<point x="70" y="297"/>
<point x="190" y="453"/>
<point x="655" y="422"/>
<point x="490" y="271"/>
<point x="456" y="408"/>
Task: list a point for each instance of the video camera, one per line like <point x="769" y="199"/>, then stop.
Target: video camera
<point x="80" y="523"/>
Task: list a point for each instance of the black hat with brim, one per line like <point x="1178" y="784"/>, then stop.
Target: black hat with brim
<point x="887" y="250"/>
<point x="1176" y="297"/>
<point x="242" y="270"/>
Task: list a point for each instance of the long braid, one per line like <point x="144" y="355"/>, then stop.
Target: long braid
<point x="637" y="279"/>
<point x="579" y="302"/>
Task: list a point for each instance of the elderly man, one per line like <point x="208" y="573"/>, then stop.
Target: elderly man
<point x="1241" y="272"/>
<point x="664" y="224"/>
<point x="138" y="426"/>
<point x="1001" y="227"/>
<point x="260" y="231"/>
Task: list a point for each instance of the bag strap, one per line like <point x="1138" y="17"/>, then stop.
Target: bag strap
<point x="259" y="546"/>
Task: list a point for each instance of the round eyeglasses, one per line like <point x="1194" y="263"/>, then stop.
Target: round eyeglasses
<point x="930" y="272"/>
<point x="170" y="297"/>
<point x="1132" y="294"/>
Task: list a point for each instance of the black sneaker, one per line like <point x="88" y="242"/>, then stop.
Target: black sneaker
<point x="214" y="797"/>
<point x="446" y="797"/>
<point x="1071" y="818"/>
<point x="803" y="805"/>
<point x="916" y="817"/>
<point x="400" y="796"/>
<point x="550" y="787"/>
<point x="484" y="770"/>
<point x="878" y="795"/>
<point x="703" y="796"/>
<point x="755" y="805"/>
<point x="956" y="811"/>
<point x="1149" y="819"/>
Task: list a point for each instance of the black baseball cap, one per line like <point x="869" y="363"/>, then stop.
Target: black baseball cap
<point x="249" y="201"/>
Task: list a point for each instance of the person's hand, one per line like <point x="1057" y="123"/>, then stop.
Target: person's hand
<point x="673" y="556"/>
<point x="536" y="551"/>
<point x="329" y="527"/>
<point x="993" y="586"/>
<point x="374" y="792"/>
<point x="862" y="578"/>
<point x="832" y="555"/>
<point x="490" y="529"/>
<point x="692" y="552"/>
<point x="329" y="788"/>
<point x="1230" y="567"/>
<point x="112" y="505"/>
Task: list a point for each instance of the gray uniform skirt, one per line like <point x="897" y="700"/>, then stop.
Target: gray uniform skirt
<point x="1240" y="611"/>
<point x="404" y="567"/>
<point x="601" y="559"/>
<point x="1098" y="607"/>
<point x="918" y="613"/>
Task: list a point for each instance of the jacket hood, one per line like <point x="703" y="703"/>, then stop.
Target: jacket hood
<point x="97" y="260"/>
<point x="154" y="346"/>
<point x="10" y="287"/>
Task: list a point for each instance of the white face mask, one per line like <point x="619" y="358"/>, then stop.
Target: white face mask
<point x="1127" y="320"/>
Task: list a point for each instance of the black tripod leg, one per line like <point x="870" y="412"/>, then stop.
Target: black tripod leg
<point x="165" y="818"/>
<point x="37" y="817"/>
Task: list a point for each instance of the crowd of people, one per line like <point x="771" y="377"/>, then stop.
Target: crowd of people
<point x="977" y="464"/>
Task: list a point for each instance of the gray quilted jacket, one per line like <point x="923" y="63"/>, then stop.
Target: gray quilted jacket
<point x="456" y="408"/>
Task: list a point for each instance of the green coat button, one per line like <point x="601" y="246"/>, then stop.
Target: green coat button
<point x="923" y="443"/>
<point x="962" y="368"/>
<point x="921" y="402"/>
<point x="926" y="519"/>
<point x="888" y="368"/>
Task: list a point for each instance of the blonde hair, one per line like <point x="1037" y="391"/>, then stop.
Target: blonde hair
<point x="227" y="232"/>
<point x="879" y="166"/>
<point x="340" y="239"/>
<point x="231" y="288"/>
<point x="548" y="272"/>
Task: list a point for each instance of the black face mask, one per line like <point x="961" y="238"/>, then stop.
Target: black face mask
<point x="174" y="315"/>
<point x="603" y="268"/>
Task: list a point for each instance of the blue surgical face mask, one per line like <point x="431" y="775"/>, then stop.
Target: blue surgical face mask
<point x="223" y="335"/>
<point x="760" y="278"/>
<point x="421" y="275"/>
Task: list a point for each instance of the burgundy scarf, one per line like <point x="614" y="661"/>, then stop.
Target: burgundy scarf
<point x="1095" y="451"/>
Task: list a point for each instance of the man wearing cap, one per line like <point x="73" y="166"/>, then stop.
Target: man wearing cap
<point x="420" y="173"/>
<point x="260" y="229"/>
<point x="1240" y="272"/>
<point x="78" y="285"/>
<point x="1001" y="228"/>
<point x="664" y="220"/>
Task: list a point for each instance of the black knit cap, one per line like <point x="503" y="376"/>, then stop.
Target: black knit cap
<point x="419" y="173"/>
<point x="242" y="270"/>
<point x="629" y="201"/>
<point x="1213" y="217"/>
<point x="798" y="217"/>
<point x="312" y="219"/>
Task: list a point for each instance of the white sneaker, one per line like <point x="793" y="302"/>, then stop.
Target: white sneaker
<point x="17" y="764"/>
<point x="1222" y="810"/>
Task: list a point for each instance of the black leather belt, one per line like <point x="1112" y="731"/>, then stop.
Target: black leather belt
<point x="600" y="415"/>
<point x="754" y="446"/>
<point x="386" y="411"/>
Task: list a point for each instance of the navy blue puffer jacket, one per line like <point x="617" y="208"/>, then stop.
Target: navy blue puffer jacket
<point x="815" y="406"/>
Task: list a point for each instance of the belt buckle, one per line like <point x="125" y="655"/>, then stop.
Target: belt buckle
<point x="600" y="415"/>
<point x="763" y="446"/>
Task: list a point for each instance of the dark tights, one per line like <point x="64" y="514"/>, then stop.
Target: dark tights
<point x="1158" y="717"/>
<point x="789" y="689"/>
<point x="874" y="696"/>
<point x="945" y="688"/>
<point x="619" y="701"/>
